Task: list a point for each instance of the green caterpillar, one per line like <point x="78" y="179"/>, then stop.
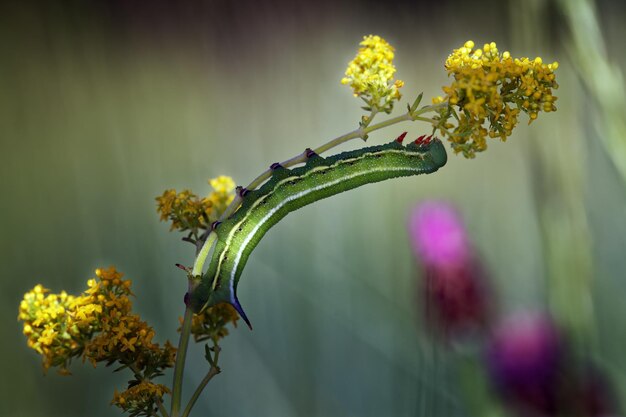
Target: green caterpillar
<point x="288" y="190"/>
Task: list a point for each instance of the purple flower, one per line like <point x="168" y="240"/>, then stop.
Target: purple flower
<point x="536" y="375"/>
<point x="454" y="290"/>
<point x="525" y="359"/>
<point x="438" y="234"/>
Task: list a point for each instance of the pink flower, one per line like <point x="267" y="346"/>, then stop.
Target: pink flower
<point x="438" y="235"/>
<point x="454" y="289"/>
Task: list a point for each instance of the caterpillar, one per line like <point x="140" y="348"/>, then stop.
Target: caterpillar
<point x="290" y="189"/>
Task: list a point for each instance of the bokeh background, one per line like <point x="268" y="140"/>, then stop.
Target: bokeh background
<point x="105" y="104"/>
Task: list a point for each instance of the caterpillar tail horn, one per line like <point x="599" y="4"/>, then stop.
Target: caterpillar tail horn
<point x="237" y="306"/>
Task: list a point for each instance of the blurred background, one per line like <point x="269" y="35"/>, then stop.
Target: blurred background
<point x="105" y="104"/>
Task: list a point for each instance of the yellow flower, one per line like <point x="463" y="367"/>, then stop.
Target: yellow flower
<point x="46" y="325"/>
<point x="185" y="210"/>
<point x="212" y="322"/>
<point x="370" y="74"/>
<point x="488" y="92"/>
<point x="223" y="184"/>
<point x="188" y="212"/>
<point x="140" y="398"/>
<point x="222" y="195"/>
<point x="98" y="324"/>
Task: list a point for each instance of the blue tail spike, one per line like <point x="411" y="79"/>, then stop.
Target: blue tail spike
<point x="239" y="309"/>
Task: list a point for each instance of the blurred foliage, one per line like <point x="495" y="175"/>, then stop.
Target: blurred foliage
<point x="104" y="105"/>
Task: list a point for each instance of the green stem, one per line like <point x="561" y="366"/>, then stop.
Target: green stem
<point x="179" y="367"/>
<point x="161" y="407"/>
<point x="212" y="372"/>
<point x="361" y="132"/>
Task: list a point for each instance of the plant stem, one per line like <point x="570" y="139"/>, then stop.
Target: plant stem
<point x="161" y="407"/>
<point x="179" y="367"/>
<point x="212" y="372"/>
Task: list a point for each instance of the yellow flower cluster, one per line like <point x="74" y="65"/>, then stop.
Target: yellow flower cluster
<point x="187" y="211"/>
<point x="222" y="195"/>
<point x="489" y="91"/>
<point x="370" y="74"/>
<point x="98" y="325"/>
<point x="122" y="335"/>
<point x="140" y="398"/>
<point x="47" y="325"/>
<point x="211" y="323"/>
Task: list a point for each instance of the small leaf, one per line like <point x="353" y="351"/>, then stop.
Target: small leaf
<point x="207" y="354"/>
<point x="120" y="368"/>
<point x="133" y="382"/>
<point x="417" y="102"/>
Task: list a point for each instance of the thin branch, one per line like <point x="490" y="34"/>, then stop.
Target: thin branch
<point x="214" y="370"/>
<point x="192" y="401"/>
<point x="179" y="367"/>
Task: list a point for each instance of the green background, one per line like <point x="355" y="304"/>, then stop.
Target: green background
<point x="103" y="105"/>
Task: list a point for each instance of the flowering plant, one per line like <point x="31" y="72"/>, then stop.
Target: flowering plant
<point x="487" y="93"/>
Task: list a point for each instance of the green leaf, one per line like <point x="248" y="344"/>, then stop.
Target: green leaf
<point x="416" y="103"/>
<point x="208" y="354"/>
<point x="120" y="368"/>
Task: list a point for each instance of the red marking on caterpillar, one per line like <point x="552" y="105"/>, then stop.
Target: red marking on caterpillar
<point x="400" y="138"/>
<point x="423" y="140"/>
